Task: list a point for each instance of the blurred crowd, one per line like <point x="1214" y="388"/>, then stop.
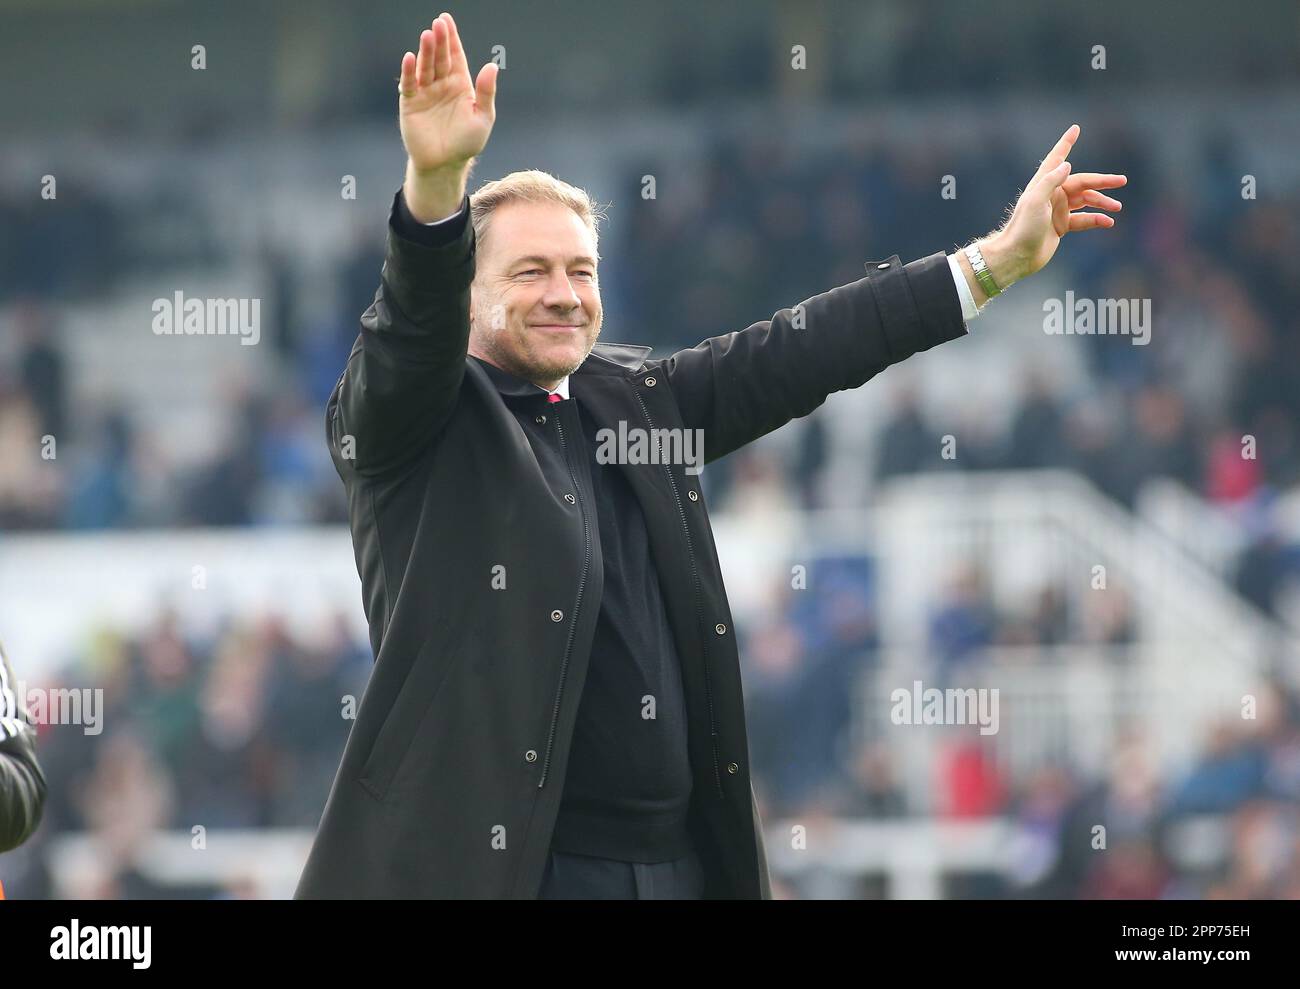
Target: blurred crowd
<point x="240" y="729"/>
<point x="1224" y="826"/>
<point x="244" y="729"/>
<point x="1212" y="401"/>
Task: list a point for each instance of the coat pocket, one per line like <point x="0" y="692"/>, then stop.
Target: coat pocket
<point x="433" y="663"/>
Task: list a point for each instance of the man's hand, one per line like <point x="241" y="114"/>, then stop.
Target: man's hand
<point x="1043" y="215"/>
<point x="445" y="119"/>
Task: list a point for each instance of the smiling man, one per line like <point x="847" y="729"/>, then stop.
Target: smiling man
<point x="555" y="709"/>
<point x="535" y="301"/>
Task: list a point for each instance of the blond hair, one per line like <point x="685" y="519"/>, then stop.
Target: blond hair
<point x="532" y="186"/>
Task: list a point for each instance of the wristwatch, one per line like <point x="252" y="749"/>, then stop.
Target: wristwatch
<point x="982" y="274"/>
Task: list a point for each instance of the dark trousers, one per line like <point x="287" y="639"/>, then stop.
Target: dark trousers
<point x="584" y="877"/>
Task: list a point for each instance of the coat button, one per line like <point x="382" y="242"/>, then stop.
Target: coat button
<point x="693" y="495"/>
<point x="650" y="382"/>
<point x="570" y="499"/>
<point x="557" y="615"/>
<point x="540" y="420"/>
<point x="882" y="267"/>
<point x="530" y="755"/>
<point x="720" y="628"/>
<point x="732" y="768"/>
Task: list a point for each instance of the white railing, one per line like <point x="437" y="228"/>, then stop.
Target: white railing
<point x="830" y="856"/>
<point x="261" y="864"/>
<point x="1027" y="530"/>
<point x="1206" y="533"/>
<point x="1065" y="707"/>
<point x="1196" y="649"/>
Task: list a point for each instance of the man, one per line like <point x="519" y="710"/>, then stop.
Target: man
<point x="22" y="784"/>
<point x="555" y="708"/>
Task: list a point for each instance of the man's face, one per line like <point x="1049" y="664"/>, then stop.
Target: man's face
<point x="535" y="302"/>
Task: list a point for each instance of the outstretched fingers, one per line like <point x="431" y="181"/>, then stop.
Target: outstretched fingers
<point x="1095" y="180"/>
<point x="1090" y="221"/>
<point x="1048" y="187"/>
<point x="1058" y="153"/>
<point x="1090" y="197"/>
<point x="424" y="59"/>
<point x="442" y="47"/>
<point x="485" y="89"/>
<point x="456" y="50"/>
<point x="1082" y="189"/>
<point x="406" y="84"/>
<point x="440" y="53"/>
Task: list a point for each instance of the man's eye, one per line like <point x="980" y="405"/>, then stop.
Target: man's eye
<point x="587" y="273"/>
<point x="531" y="271"/>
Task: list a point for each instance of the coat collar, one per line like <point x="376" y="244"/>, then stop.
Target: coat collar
<point x="604" y="358"/>
<point x="626" y="355"/>
<point x="507" y="383"/>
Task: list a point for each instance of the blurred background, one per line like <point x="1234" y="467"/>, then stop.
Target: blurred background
<point x="1112" y="541"/>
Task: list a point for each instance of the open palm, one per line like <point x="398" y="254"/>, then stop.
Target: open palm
<point x="445" y="117"/>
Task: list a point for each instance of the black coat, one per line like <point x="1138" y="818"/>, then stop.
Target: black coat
<point x="453" y="772"/>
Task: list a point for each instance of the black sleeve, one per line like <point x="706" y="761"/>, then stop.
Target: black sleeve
<point x="744" y="384"/>
<point x="430" y="235"/>
<point x="403" y="376"/>
<point x="22" y="784"/>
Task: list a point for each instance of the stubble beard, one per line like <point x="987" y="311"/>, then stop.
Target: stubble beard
<point x="523" y="361"/>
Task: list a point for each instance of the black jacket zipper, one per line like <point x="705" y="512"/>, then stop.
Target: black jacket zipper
<point x="573" y="623"/>
<point x="695" y="583"/>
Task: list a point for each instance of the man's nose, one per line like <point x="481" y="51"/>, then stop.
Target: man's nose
<point x="560" y="293"/>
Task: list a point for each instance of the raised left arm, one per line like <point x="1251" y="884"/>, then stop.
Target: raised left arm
<point x="742" y="385"/>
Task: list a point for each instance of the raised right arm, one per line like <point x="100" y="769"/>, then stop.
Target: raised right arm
<point x="404" y="373"/>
